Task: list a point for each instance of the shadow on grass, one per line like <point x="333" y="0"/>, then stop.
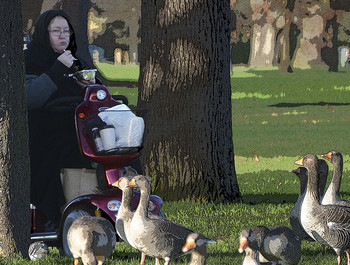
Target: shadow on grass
<point x="274" y="198"/>
<point x="277" y="198"/>
<point x="292" y="105"/>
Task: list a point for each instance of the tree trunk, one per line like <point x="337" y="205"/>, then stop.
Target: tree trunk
<point x="285" y="57"/>
<point x="78" y="14"/>
<point x="14" y="158"/>
<point x="263" y="45"/>
<point x="267" y="18"/>
<point x="310" y="17"/>
<point x="329" y="53"/>
<point x="30" y="12"/>
<point x="134" y="40"/>
<point x="185" y="88"/>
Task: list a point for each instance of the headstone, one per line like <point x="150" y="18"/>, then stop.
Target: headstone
<point x="118" y="53"/>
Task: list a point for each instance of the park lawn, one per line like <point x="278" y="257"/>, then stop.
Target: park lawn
<point x="277" y="118"/>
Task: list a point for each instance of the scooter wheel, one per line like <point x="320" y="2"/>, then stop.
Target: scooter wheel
<point x="71" y="217"/>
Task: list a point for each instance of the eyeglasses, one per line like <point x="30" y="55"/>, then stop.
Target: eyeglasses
<point x="58" y="32"/>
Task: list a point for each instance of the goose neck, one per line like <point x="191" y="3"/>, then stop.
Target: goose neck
<point x="337" y="175"/>
<point x="312" y="183"/>
<point x="142" y="208"/>
<point x="126" y="198"/>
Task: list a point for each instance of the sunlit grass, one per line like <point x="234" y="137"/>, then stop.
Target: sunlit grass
<point x="129" y="72"/>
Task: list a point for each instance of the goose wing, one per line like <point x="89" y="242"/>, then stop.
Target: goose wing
<point x="337" y="219"/>
<point x="172" y="236"/>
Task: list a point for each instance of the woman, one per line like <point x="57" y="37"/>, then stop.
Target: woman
<point x="53" y="145"/>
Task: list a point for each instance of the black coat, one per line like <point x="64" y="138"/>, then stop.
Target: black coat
<point x="52" y="136"/>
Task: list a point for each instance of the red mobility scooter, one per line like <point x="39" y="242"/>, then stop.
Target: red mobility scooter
<point x="105" y="203"/>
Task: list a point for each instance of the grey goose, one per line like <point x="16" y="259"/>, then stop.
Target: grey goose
<point x="326" y="224"/>
<point x="197" y="243"/>
<point x="125" y="213"/>
<point x="276" y="243"/>
<point x="248" y="244"/>
<point x="331" y="195"/>
<point x="92" y="239"/>
<point x="301" y="173"/>
<point x="155" y="237"/>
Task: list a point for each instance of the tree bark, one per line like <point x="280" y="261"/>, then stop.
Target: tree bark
<point x="14" y="158"/>
<point x="285" y="51"/>
<point x="185" y="88"/>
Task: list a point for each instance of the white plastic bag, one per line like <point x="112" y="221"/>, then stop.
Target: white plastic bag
<point x="128" y="127"/>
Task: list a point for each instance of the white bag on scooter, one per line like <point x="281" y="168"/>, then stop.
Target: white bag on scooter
<point x="129" y="128"/>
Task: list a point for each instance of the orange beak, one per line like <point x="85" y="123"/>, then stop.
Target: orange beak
<point x="327" y="156"/>
<point x="243" y="243"/>
<point x="299" y="162"/>
<point x="132" y="183"/>
<point x="188" y="245"/>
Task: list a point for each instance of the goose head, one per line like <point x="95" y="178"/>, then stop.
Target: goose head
<point x="121" y="183"/>
<point x="301" y="173"/>
<point x="140" y="181"/>
<point x="309" y="161"/>
<point x="247" y="238"/>
<point x="195" y="241"/>
<point x="333" y="157"/>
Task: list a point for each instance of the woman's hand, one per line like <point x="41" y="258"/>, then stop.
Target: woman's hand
<point x="85" y="83"/>
<point x="67" y="58"/>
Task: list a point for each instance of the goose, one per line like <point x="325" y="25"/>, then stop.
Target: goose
<point x="125" y="213"/>
<point x="198" y="244"/>
<point x="92" y="239"/>
<point x="332" y="193"/>
<point x="301" y="173"/>
<point x="248" y="244"/>
<point x="276" y="243"/>
<point x="155" y="237"/>
<point x="294" y="217"/>
<point x="326" y="224"/>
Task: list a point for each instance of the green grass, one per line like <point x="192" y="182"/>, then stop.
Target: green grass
<point x="290" y="114"/>
<point x="121" y="72"/>
<point x="277" y="118"/>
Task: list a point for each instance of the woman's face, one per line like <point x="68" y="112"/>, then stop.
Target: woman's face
<point x="58" y="31"/>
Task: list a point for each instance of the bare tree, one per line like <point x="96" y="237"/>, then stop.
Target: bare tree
<point x="14" y="158"/>
<point x="185" y="88"/>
